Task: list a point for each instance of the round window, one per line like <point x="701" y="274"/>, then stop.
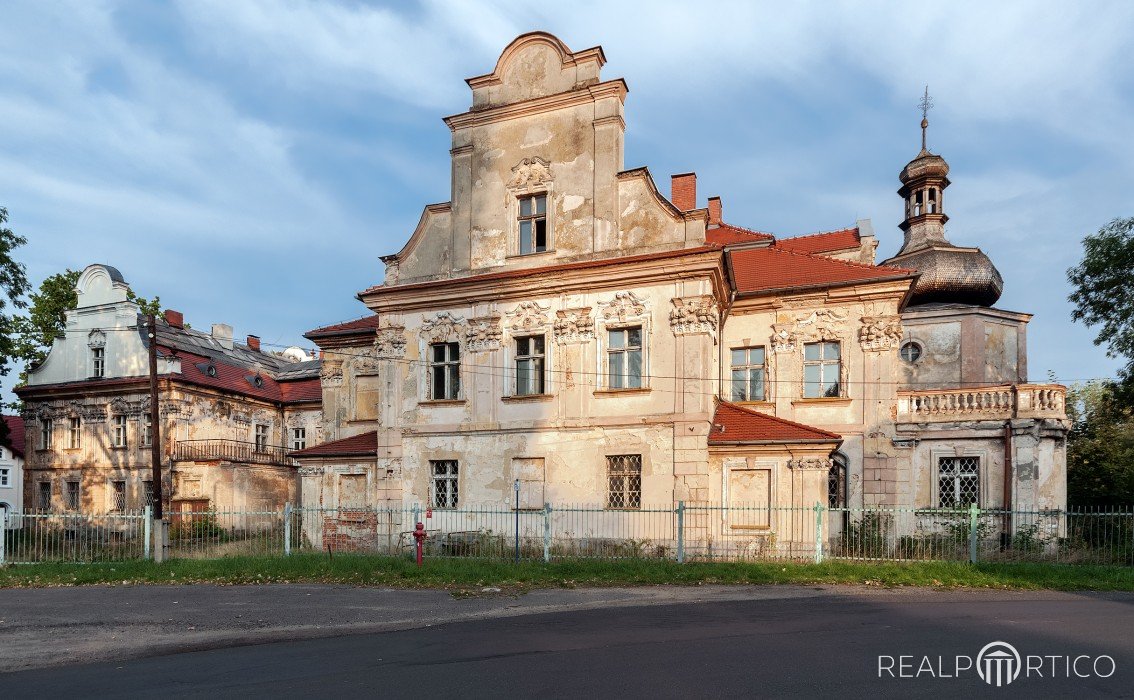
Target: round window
<point x="910" y="351"/>
<point x="211" y="371"/>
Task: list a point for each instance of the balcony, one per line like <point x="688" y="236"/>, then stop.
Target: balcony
<point x="231" y="451"/>
<point x="983" y="403"/>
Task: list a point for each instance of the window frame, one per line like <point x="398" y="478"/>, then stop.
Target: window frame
<point x="46" y="430"/>
<point x="451" y="368"/>
<point x="72" y="498"/>
<point x="976" y="474"/>
<point x="451" y="477"/>
<point x="147" y="428"/>
<point x="41" y="492"/>
<point x="537" y="362"/>
<point x="260" y="437"/>
<point x="119" y="435"/>
<point x="98" y="362"/>
<point x="147" y="492"/>
<point x="630" y="492"/>
<point x="624" y="352"/>
<point x="822" y="363"/>
<point x="533" y="218"/>
<point x="298" y="438"/>
<point x="748" y="367"/>
<point x="75" y="433"/>
<point x="118" y="497"/>
<point x="5" y="476"/>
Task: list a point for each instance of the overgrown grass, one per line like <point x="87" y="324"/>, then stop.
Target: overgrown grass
<point x="472" y="574"/>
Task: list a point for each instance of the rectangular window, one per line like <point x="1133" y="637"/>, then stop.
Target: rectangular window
<point x="530" y="365"/>
<point x="44" y="501"/>
<point x="147" y="430"/>
<point x="958" y="482"/>
<point x="533" y="224"/>
<point x="821" y="369"/>
<point x="261" y="437"/>
<point x="117" y="496"/>
<point x="624" y="481"/>
<point x="120" y="431"/>
<point x="4" y="477"/>
<point x="445" y="371"/>
<point x="298" y="438"/>
<point x="444" y="483"/>
<point x="46" y="427"/>
<point x="624" y="358"/>
<point x="147" y="493"/>
<point x="71" y="495"/>
<point x="75" y="433"/>
<point x="98" y="362"/>
<point x="748" y="374"/>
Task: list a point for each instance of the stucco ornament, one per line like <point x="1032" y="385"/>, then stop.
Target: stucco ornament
<point x="625" y="306"/>
<point x="390" y="342"/>
<point x="443" y="326"/>
<point x="121" y="407"/>
<point x="96" y="339"/>
<point x="880" y="332"/>
<point x="484" y="334"/>
<point x="574" y="325"/>
<point x="823" y="324"/>
<point x="94" y="414"/>
<point x="693" y="315"/>
<point x="528" y="316"/>
<point x="530" y="172"/>
<point x="332" y="373"/>
<point x="810" y="463"/>
<point x="171" y="408"/>
<point x="784" y="337"/>
<point x="367" y="363"/>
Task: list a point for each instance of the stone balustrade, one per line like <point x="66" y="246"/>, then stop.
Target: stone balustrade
<point x="983" y="403"/>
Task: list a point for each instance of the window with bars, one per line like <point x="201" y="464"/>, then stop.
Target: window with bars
<point x="75" y="433"/>
<point x="530" y="358"/>
<point x="46" y="427"/>
<point x="147" y="430"/>
<point x="624" y="481"/>
<point x="147" y="493"/>
<point x="821" y="370"/>
<point x="958" y="482"/>
<point x="748" y="374"/>
<point x="98" y="362"/>
<point x="261" y="437"/>
<point x="298" y="438"/>
<point x="120" y="431"/>
<point x="117" y="496"/>
<point x="624" y="358"/>
<point x="43" y="501"/>
<point x="444" y="485"/>
<point x="71" y="495"/>
<point x="837" y="484"/>
<point x="533" y="224"/>
<point x="445" y="371"/>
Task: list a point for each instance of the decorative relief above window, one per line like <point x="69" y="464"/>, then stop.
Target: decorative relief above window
<point x="96" y="339"/>
<point x="574" y="326"/>
<point x="483" y="334"/>
<point x="692" y="315"/>
<point x="390" y="342"/>
<point x="625" y="306"/>
<point x="442" y="327"/>
<point x="880" y="333"/>
<point x="821" y="325"/>
<point x="810" y="463"/>
<point x="332" y="372"/>
<point x="530" y="172"/>
<point x="367" y="363"/>
<point x="528" y="316"/>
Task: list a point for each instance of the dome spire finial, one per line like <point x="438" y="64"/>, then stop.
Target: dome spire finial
<point x="925" y="105"/>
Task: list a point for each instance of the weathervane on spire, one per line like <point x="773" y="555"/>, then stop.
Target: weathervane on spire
<point x="926" y="104"/>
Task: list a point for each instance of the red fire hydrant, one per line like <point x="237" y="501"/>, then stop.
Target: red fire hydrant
<point x="419" y="537"/>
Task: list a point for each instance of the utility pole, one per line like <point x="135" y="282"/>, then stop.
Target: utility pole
<point x="160" y="533"/>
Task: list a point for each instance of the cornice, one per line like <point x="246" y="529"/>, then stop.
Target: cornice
<point x="538" y="105"/>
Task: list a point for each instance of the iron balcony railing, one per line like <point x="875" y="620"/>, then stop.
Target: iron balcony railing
<point x="231" y="451"/>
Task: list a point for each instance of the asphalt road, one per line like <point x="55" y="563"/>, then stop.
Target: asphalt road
<point x="810" y="642"/>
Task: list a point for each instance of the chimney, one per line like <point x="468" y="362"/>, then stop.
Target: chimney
<point x="254" y="343"/>
<point x="683" y="191"/>
<point x="175" y="319"/>
<point x="222" y="333"/>
<point x="714" y="211"/>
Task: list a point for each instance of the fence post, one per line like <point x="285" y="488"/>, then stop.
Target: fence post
<point x="149" y="516"/>
<point x="546" y="532"/>
<point x="974" y="514"/>
<point x="3" y="534"/>
<point x="287" y="529"/>
<point x="681" y="532"/>
<point x="818" y="533"/>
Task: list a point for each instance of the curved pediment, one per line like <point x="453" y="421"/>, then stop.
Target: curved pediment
<point x="101" y="284"/>
<point x="536" y="64"/>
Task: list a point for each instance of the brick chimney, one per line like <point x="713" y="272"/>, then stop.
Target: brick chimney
<point x="175" y="319"/>
<point x="714" y="211"/>
<point x="683" y="191"/>
<point x="254" y="343"/>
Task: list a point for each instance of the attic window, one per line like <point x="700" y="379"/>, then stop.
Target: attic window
<point x="211" y="370"/>
<point x="258" y="381"/>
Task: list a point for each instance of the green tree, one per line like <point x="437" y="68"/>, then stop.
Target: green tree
<point x="1104" y="292"/>
<point x="13" y="287"/>
<point x="146" y="306"/>
<point x="46" y="318"/>
<point x="1100" y="446"/>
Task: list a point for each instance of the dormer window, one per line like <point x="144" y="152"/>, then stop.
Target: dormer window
<point x="98" y="362"/>
<point x="533" y="224"/>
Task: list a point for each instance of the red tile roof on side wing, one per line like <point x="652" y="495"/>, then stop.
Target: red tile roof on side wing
<point x="15" y="435"/>
<point x="365" y="324"/>
<point x="364" y="445"/>
<point x="303" y="390"/>
<point x="766" y="269"/>
<point x="736" y="424"/>
<point x="822" y="242"/>
<point x="727" y="234"/>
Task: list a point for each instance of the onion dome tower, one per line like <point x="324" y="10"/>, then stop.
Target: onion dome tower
<point x="949" y="274"/>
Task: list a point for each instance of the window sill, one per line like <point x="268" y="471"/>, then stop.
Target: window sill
<point x="120" y="447"/>
<point x="525" y="256"/>
<point x="441" y="402"/>
<point x="619" y="392"/>
<point x="823" y="401"/>
<point x="521" y="398"/>
<point x="758" y="405"/>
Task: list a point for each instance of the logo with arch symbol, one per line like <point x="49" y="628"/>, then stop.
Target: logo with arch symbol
<point x="998" y="664"/>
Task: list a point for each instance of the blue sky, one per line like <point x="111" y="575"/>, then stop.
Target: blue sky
<point x="250" y="161"/>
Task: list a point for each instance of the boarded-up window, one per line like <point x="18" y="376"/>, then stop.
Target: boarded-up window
<point x="366" y="397"/>
<point x="529" y="472"/>
<point x="352" y="495"/>
<point x="750" y="497"/>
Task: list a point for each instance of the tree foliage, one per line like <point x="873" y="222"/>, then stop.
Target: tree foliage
<point x="147" y="306"/>
<point x="46" y="318"/>
<point x="1104" y="291"/>
<point x="1100" y="446"/>
<point x="13" y="287"/>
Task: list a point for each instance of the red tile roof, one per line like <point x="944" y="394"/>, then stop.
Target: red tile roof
<point x="195" y="370"/>
<point x="366" y="324"/>
<point x="727" y="234"/>
<point x="364" y="445"/>
<point x="733" y="424"/>
<point x="772" y="268"/>
<point x="15" y="441"/>
<point x="821" y="242"/>
<point x="303" y="390"/>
